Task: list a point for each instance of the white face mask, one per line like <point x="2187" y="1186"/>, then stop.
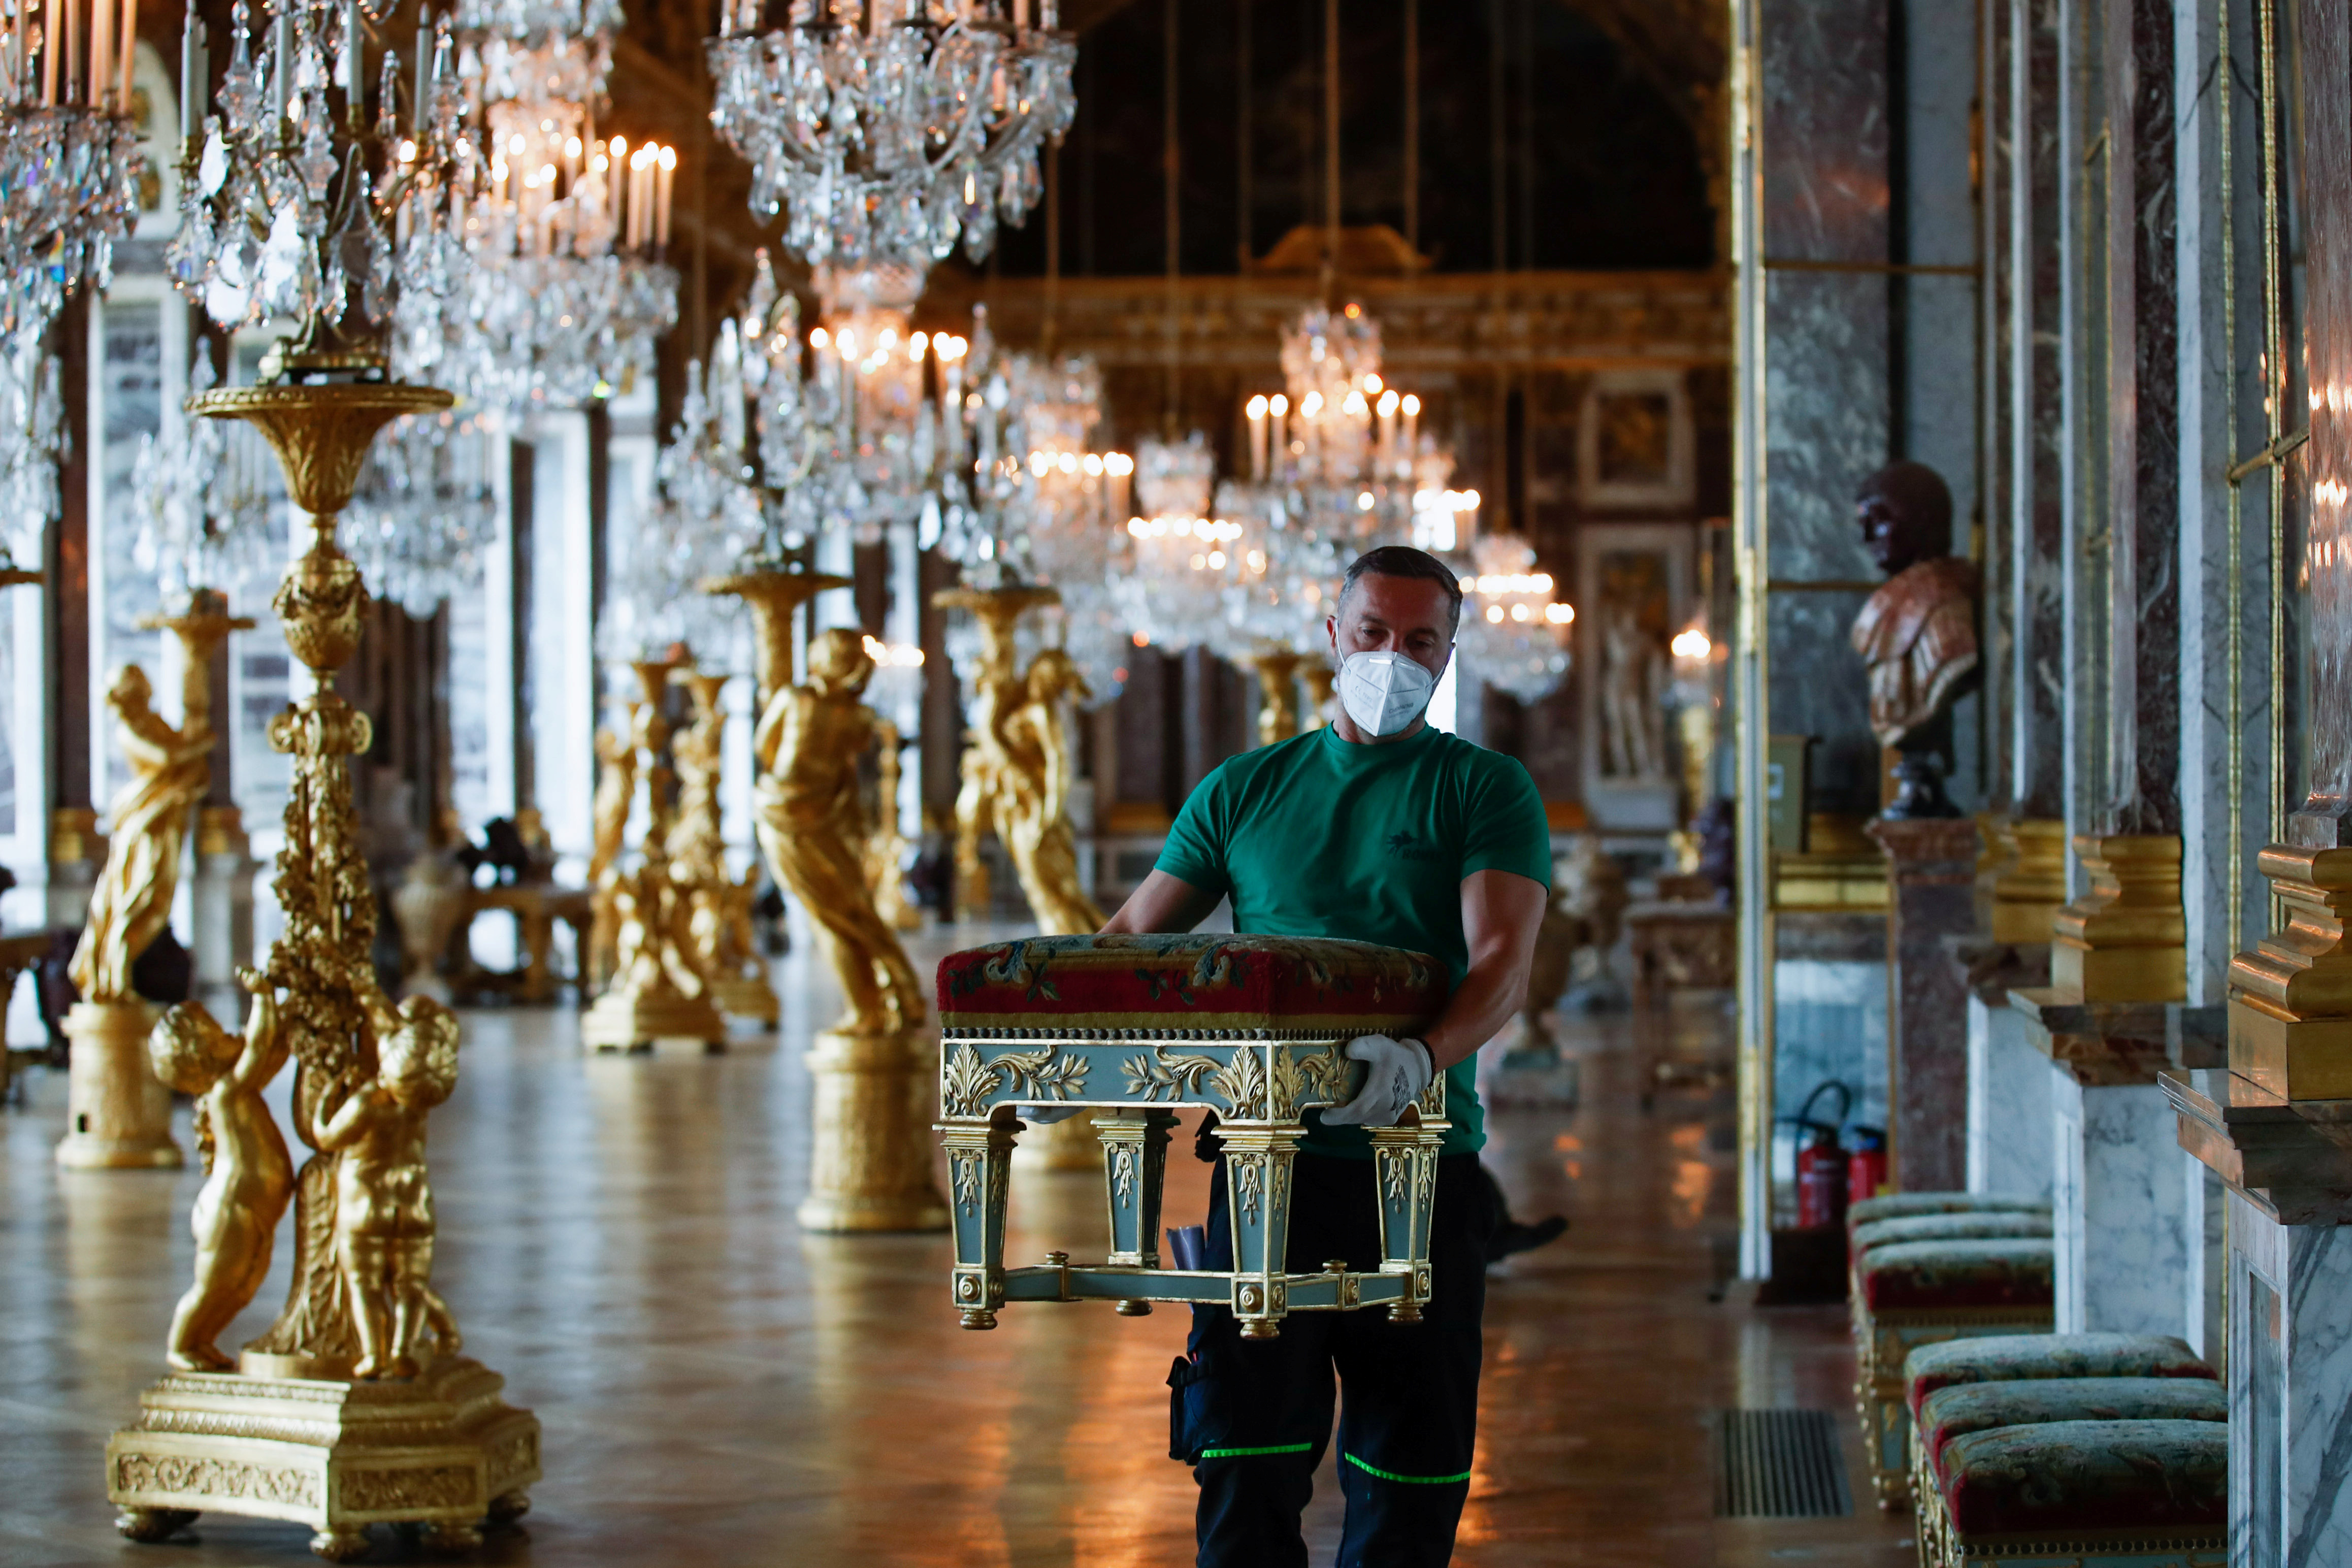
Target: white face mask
<point x="1384" y="692"/>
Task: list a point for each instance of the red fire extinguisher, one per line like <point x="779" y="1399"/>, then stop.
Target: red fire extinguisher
<point x="1822" y="1162"/>
<point x="1866" y="1167"/>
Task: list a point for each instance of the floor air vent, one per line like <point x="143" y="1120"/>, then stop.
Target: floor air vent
<point x="1779" y="1464"/>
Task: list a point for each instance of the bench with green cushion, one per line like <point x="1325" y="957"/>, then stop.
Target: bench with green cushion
<point x="1982" y="1226"/>
<point x="2000" y="1271"/>
<point x="1904" y="1205"/>
<point x="2014" y="1358"/>
<point x="1962" y="1408"/>
<point x="2080" y="1494"/>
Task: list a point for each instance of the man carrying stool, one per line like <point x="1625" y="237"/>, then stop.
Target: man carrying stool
<point x="1376" y="828"/>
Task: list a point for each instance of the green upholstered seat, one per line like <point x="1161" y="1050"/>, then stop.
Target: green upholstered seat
<point x="1957" y="1411"/>
<point x="2059" y="1477"/>
<point x="1902" y="1205"/>
<point x="2011" y="1358"/>
<point x="1982" y="1225"/>
<point x="2009" y="1271"/>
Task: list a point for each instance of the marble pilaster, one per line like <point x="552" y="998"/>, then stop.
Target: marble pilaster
<point x="2009" y="1126"/>
<point x="2033" y="327"/>
<point x="2289" y="1392"/>
<point x="1931" y="895"/>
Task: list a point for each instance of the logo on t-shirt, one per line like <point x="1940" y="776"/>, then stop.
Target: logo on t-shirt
<point x="1408" y="846"/>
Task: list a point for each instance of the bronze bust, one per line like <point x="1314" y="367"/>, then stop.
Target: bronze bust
<point x="1918" y="632"/>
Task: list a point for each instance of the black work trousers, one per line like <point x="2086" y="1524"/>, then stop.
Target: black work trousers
<point x="1253" y="1416"/>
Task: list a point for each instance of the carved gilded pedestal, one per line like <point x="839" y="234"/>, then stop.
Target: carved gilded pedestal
<point x="660" y="992"/>
<point x="1277" y="679"/>
<point x="2026" y="887"/>
<point x="1320" y="677"/>
<point x="1016" y="780"/>
<point x="118" y="1116"/>
<point x="355" y="1406"/>
<point x="721" y="922"/>
<point x="2124" y="940"/>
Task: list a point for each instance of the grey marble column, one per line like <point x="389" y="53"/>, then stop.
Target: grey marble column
<point x="2033" y="324"/>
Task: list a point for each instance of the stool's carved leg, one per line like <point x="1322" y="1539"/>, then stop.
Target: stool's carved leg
<point x="980" y="1163"/>
<point x="1135" y="1171"/>
<point x="1257" y="1202"/>
<point x="1404" y="1173"/>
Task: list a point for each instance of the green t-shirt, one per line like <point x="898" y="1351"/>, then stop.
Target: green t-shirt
<point x="1321" y="836"/>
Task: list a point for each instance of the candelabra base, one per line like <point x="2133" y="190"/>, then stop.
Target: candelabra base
<point x="627" y="1019"/>
<point x="748" y="996"/>
<point x="1062" y="1146"/>
<point x="118" y="1113"/>
<point x="870" y="1161"/>
<point x="440" y="1450"/>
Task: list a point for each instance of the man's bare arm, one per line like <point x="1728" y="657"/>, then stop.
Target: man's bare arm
<point x="1165" y="904"/>
<point x="1501" y="912"/>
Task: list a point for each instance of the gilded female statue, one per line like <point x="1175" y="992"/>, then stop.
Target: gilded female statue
<point x="249" y="1177"/>
<point x="170" y="770"/>
<point x="1034" y="797"/>
<point x="812" y="826"/>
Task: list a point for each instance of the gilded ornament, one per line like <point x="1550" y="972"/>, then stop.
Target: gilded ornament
<point x="1176" y="1076"/>
<point x="249" y="1177"/>
<point x="170" y="770"/>
<point x="719" y="918"/>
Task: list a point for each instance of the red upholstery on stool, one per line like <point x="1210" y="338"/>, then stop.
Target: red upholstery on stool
<point x="2008" y="1358"/>
<point x="1299" y="986"/>
<point x="2008" y="1272"/>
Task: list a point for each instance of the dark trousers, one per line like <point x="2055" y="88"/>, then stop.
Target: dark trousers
<point x="1253" y="1416"/>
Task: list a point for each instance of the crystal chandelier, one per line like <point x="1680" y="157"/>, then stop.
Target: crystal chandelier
<point x="566" y="230"/>
<point x="280" y="217"/>
<point x="1513" y="630"/>
<point x="202" y="494"/>
<point x="425" y="516"/>
<point x="1181" y="562"/>
<point x="888" y="129"/>
<point x="69" y="169"/>
<point x="70" y="159"/>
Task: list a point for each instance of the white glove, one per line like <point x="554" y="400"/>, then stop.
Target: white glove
<point x="1396" y="1071"/>
<point x="1046" y="1115"/>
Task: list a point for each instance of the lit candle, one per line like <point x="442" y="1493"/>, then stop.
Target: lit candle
<point x="100" y="85"/>
<point x="128" y="36"/>
<point x="52" y="24"/>
<point x="196" y="74"/>
<point x="1411" y="427"/>
<point x="354" y="51"/>
<point x="661" y="197"/>
<point x="1257" y="438"/>
<point x="281" y="62"/>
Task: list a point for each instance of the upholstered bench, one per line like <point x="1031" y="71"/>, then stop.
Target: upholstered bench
<point x="1907" y="1294"/>
<point x="1905" y="1205"/>
<point x="2079" y="1494"/>
<point x="1962" y="1408"/>
<point x="1131" y="1027"/>
<point x="1987" y="1226"/>
<point x="2024" y="1358"/>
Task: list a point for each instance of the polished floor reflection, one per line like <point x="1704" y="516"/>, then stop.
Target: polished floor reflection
<point x="718" y="1387"/>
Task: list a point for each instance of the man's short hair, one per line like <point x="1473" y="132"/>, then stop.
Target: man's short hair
<point x="1404" y="561"/>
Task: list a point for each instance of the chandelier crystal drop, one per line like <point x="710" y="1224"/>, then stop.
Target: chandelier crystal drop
<point x="425" y="514"/>
<point x="567" y="291"/>
<point x="891" y="129"/>
<point x="282" y="217"/>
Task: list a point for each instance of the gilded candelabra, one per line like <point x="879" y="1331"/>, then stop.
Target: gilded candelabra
<point x="1320" y="679"/>
<point x="659" y="991"/>
<point x="1277" y="697"/>
<point x="886" y="846"/>
<point x="723" y="941"/>
<point x="354" y="1407"/>
<point x="869" y="1165"/>
<point x="1017" y="781"/>
<point x="118" y="1115"/>
<point x="616" y="791"/>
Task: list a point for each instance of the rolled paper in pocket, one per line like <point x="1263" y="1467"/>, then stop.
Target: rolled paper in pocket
<point x="1188" y="1246"/>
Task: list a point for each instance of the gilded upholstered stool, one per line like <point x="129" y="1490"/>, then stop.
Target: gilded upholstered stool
<point x="1959" y="1409"/>
<point x="2079" y="1494"/>
<point x="1130" y="1028"/>
<point x="1907" y="1294"/>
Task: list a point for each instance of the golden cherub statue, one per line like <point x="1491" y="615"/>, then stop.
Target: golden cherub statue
<point x="249" y="1177"/>
<point x="170" y="770"/>
<point x="1034" y="768"/>
<point x="383" y="1196"/>
<point x="814" y="827"/>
